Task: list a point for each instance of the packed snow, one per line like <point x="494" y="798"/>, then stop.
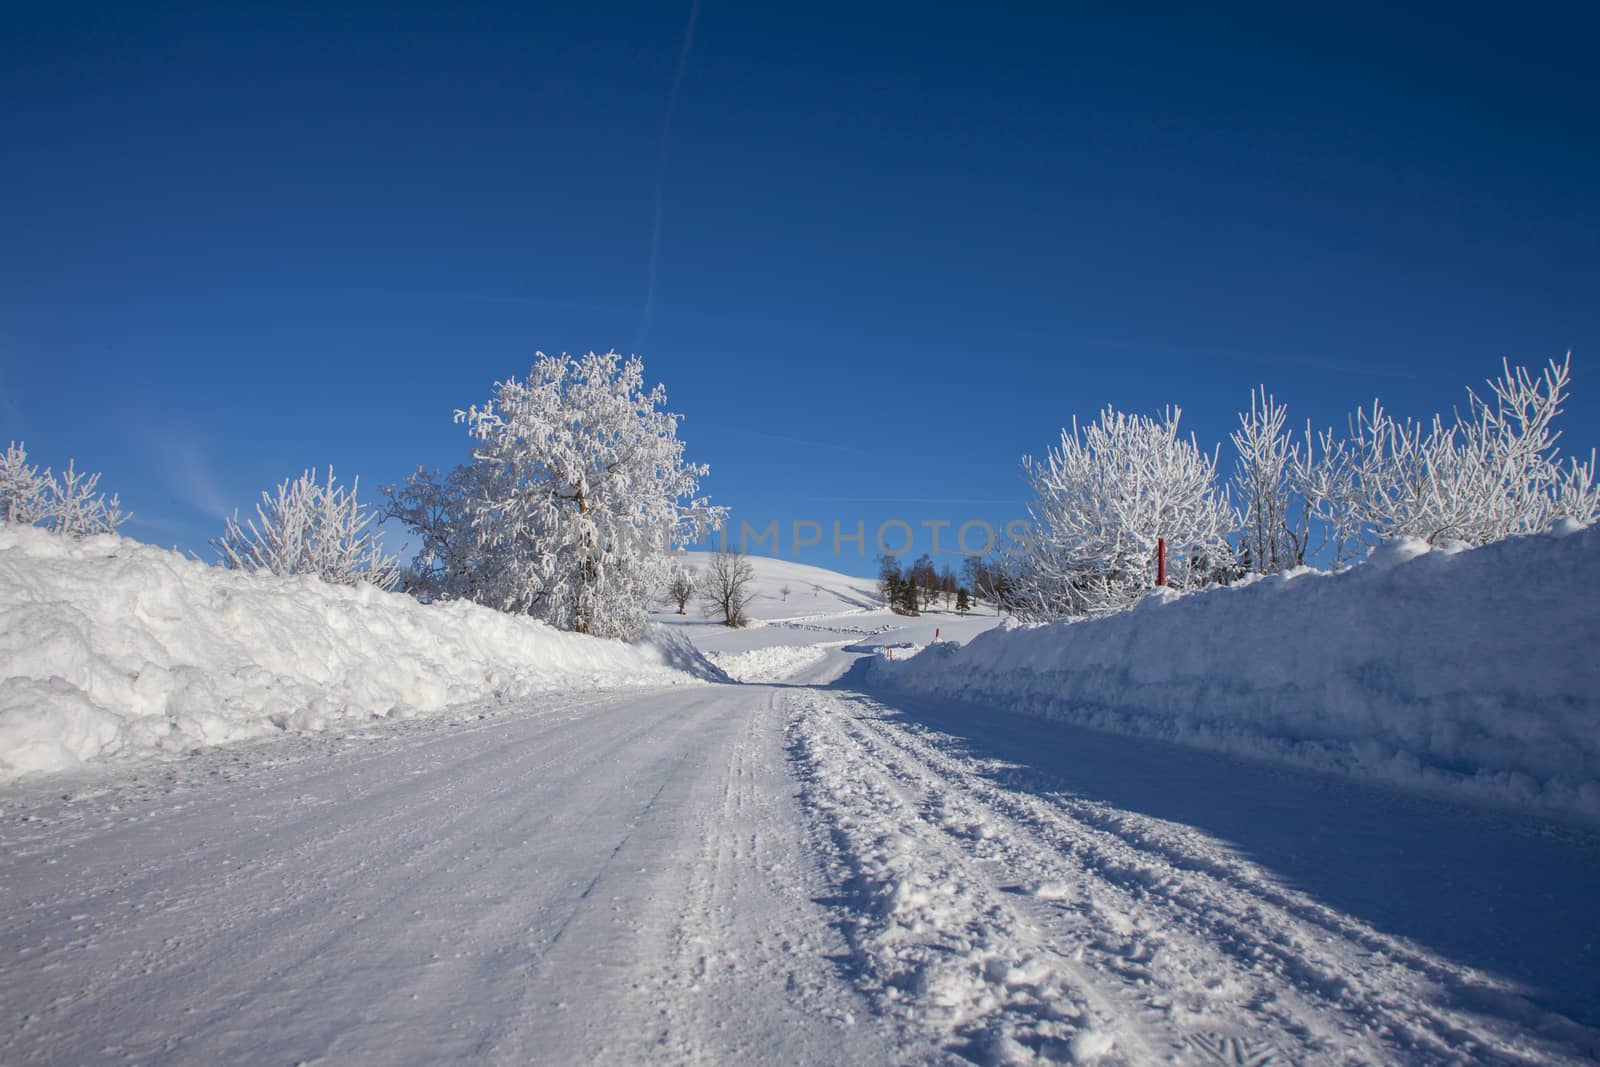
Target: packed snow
<point x="788" y="870"/>
<point x="111" y="648"/>
<point x="1022" y="891"/>
<point x="1466" y="671"/>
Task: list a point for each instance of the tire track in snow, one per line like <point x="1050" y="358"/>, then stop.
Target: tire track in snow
<point x="750" y="931"/>
<point x="1022" y="925"/>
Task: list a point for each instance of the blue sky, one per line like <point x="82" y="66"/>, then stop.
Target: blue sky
<point x="876" y="254"/>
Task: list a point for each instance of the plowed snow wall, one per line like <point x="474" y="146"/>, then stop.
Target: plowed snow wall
<point x="1473" y="672"/>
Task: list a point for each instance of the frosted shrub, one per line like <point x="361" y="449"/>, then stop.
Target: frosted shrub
<point x="1493" y="472"/>
<point x="1101" y="501"/>
<point x="1273" y="522"/>
<point x="66" y="504"/>
<point x="304" y="527"/>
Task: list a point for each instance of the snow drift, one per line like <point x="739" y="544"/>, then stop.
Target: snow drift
<point x="109" y="648"/>
<point x="1471" y="672"/>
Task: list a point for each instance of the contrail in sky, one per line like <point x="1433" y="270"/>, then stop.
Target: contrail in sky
<point x="661" y="171"/>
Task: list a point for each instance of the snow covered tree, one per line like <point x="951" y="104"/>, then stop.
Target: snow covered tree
<point x="1492" y="473"/>
<point x="304" y="527"/>
<point x="67" y="504"/>
<point x="579" y="494"/>
<point x="1274" y="522"/>
<point x="784" y="593"/>
<point x="449" y="564"/>
<point x="726" y="589"/>
<point x="1101" y="501"/>
<point x="24" y="489"/>
<point x="963" y="599"/>
<point x="681" y="587"/>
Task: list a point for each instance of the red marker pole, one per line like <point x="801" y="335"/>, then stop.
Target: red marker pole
<point x="1161" y="561"/>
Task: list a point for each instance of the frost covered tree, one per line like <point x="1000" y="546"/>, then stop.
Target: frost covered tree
<point x="449" y="564"/>
<point x="305" y="527"/>
<point x="681" y="587"/>
<point x="66" y="504"/>
<point x="726" y="587"/>
<point x="576" y="496"/>
<point x="1493" y="472"/>
<point x="1101" y="501"/>
<point x="1273" y="518"/>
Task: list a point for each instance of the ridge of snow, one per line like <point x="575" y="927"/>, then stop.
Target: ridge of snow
<point x="1468" y="672"/>
<point x="112" y="648"/>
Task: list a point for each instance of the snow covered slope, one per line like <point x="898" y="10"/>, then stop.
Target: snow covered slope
<point x="813" y="591"/>
<point x="109" y="647"/>
<point x="817" y="633"/>
<point x="1468" y="672"/>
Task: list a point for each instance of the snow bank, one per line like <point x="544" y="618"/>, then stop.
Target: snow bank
<point x="1469" y="672"/>
<point x="113" y="648"/>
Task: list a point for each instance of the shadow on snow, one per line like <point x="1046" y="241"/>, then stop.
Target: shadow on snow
<point x="1498" y="891"/>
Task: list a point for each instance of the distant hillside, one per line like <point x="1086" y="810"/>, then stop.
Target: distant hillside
<point x="812" y="590"/>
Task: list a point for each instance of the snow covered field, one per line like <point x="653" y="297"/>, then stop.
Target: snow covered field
<point x="789" y="870"/>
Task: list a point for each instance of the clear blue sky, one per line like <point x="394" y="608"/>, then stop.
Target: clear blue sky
<point x="874" y="251"/>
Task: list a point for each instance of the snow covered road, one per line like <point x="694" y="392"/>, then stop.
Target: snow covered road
<point x="617" y="878"/>
<point x="774" y="873"/>
<point x="1000" y="901"/>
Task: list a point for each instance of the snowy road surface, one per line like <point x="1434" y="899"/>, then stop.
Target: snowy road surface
<point x="776" y="873"/>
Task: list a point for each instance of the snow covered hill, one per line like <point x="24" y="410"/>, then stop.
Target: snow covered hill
<point x="113" y="648"/>
<point x="1471" y="673"/>
<point x="813" y="591"/>
<point x="817" y="632"/>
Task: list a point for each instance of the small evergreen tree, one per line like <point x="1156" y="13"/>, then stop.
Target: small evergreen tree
<point x="907" y="596"/>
